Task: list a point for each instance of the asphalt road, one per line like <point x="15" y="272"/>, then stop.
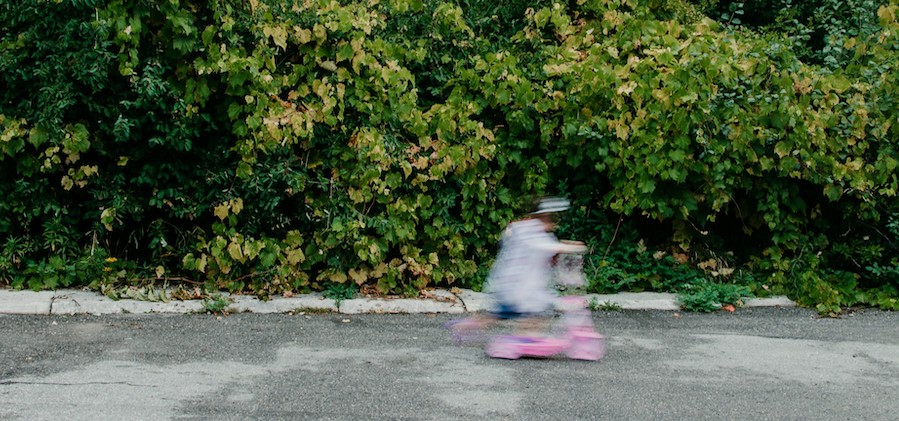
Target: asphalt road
<point x="758" y="364"/>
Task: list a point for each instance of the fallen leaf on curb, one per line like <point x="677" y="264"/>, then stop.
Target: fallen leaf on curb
<point x="729" y="308"/>
<point x="432" y="296"/>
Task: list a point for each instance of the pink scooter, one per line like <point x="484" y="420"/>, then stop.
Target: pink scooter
<point x="575" y="337"/>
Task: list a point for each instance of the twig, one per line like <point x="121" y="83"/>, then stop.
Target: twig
<point x="614" y="235"/>
<point x="166" y="279"/>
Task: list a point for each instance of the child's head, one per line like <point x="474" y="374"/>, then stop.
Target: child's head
<point x="548" y="209"/>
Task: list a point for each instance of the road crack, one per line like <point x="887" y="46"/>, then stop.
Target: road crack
<point x="12" y="382"/>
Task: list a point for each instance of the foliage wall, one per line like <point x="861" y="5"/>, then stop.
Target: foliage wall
<point x="281" y="146"/>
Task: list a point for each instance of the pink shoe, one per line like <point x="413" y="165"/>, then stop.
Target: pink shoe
<point x="587" y="345"/>
<point x="464" y="331"/>
<point x="505" y="347"/>
<point x="515" y="347"/>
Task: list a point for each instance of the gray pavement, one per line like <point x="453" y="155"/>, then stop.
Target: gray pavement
<point x="756" y="363"/>
<point x="455" y="301"/>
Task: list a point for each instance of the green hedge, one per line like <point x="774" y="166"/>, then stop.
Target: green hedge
<point x="281" y="146"/>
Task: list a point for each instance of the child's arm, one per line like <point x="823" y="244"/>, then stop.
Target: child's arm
<point x="574" y="246"/>
<point x="548" y="242"/>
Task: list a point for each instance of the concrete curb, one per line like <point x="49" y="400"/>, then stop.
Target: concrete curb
<point x="25" y="302"/>
<point x="455" y="301"/>
<point x="84" y="302"/>
<point x="637" y="300"/>
<point x="251" y="304"/>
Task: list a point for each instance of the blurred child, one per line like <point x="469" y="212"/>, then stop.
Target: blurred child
<point x="520" y="280"/>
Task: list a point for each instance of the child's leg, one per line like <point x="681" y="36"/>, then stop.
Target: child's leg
<point x="470" y="329"/>
<point x="475" y="321"/>
<point x="532" y="325"/>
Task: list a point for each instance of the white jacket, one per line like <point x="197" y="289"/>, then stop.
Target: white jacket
<point x="520" y="277"/>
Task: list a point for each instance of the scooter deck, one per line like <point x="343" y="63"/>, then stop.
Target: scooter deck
<point x="588" y="346"/>
<point x="514" y="347"/>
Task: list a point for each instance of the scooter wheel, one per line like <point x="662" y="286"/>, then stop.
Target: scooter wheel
<point x="464" y="331"/>
<point x="588" y="349"/>
<point x="499" y="348"/>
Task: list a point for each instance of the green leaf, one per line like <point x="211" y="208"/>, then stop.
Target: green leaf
<point x="345" y="52"/>
<point x="677" y="155"/>
<point x="833" y="192"/>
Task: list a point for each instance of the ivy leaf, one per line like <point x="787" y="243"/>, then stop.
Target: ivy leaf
<point x="295" y="256"/>
<point x="278" y="35"/>
<point x="252" y="248"/>
<point x="677" y="155"/>
<point x="236" y="205"/>
<point x="337" y="277"/>
<point x="221" y="211"/>
<point x="358" y="276"/>
<point x="201" y="263"/>
<point x="833" y="192"/>
<point x="782" y="149"/>
<point x="267" y="258"/>
<point x="345" y="52"/>
<point x="235" y="252"/>
<point x="38" y="136"/>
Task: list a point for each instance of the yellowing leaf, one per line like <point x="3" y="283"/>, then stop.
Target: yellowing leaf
<point x="887" y="14"/>
<point x="89" y="170"/>
<point x="237" y="205"/>
<point x="303" y="35"/>
<point x="251" y="249"/>
<point x="358" y="276"/>
<point x="279" y="36"/>
<point x="687" y="99"/>
<point x="337" y="277"/>
<point x="355" y="195"/>
<point x="320" y="32"/>
<point x="855" y="165"/>
<point x="235" y="252"/>
<point x="221" y="211"/>
<point x="621" y="132"/>
<point x="328" y="65"/>
<point x="612" y="51"/>
<point x="160" y="271"/>
<point x="708" y="264"/>
<point x="107" y="217"/>
<point x="840" y="84"/>
<point x="747" y="66"/>
<point x="379" y="270"/>
<point x="295" y="256"/>
<point x="782" y="149"/>
<point x="201" y="263"/>
<point x="627" y="88"/>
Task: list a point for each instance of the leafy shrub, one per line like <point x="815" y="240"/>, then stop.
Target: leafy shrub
<point x="707" y="296"/>
<point x="275" y="147"/>
<point x="216" y="303"/>
<point x="340" y="292"/>
<point x="822" y="32"/>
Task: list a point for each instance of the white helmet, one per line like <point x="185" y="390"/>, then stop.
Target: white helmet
<point x="551" y="205"/>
